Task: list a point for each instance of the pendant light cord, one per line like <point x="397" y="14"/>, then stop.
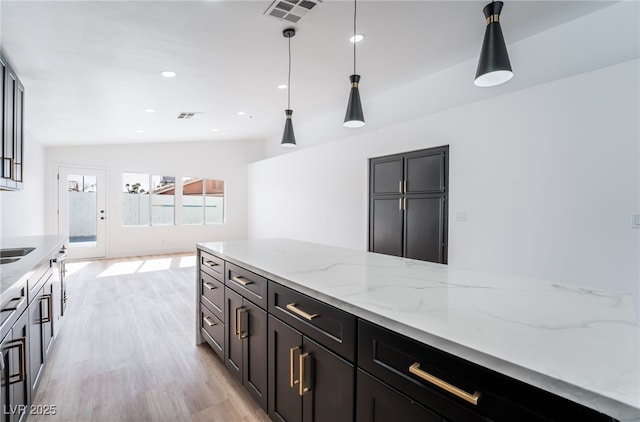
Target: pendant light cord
<point x="289" y="79"/>
<point x="355" y="12"/>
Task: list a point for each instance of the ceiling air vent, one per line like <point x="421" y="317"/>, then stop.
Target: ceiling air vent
<point x="189" y="114"/>
<point x="291" y="10"/>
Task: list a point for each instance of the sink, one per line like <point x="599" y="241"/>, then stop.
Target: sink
<point x="14" y="252"/>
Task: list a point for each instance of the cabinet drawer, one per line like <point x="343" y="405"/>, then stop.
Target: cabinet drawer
<point x="414" y="369"/>
<point x="248" y="284"/>
<point x="329" y="326"/>
<point x="212" y="294"/>
<point x="212" y="265"/>
<point x="212" y="330"/>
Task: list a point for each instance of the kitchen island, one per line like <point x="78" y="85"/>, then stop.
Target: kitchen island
<point x="576" y="343"/>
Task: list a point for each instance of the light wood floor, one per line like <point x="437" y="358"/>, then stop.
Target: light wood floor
<point x="126" y="349"/>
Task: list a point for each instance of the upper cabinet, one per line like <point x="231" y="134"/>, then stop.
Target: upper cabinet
<point x="12" y="129"/>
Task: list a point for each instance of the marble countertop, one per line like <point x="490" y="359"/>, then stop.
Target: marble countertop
<point x="15" y="274"/>
<point x="578" y="343"/>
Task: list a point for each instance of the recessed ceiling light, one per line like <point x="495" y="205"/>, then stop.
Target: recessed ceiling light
<point x="168" y="73"/>
<point x="282" y="86"/>
<point x="357" y="38"/>
<point x="139" y="131"/>
<point x="215" y="130"/>
<point x="241" y="113"/>
<point x="150" y="110"/>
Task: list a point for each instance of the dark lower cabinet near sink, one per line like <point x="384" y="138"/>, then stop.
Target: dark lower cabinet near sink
<point x="16" y="391"/>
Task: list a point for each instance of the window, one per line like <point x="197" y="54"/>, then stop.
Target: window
<point x="148" y="199"/>
<point x="202" y="201"/>
<point x="163" y="200"/>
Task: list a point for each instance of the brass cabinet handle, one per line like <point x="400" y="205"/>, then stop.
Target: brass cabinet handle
<point x="300" y="312"/>
<point x="302" y="389"/>
<point x="209" y="322"/>
<point x="292" y="380"/>
<point x="400" y="204"/>
<point x="239" y="331"/>
<point x="209" y="286"/>
<point x="400" y="186"/>
<point x="21" y="344"/>
<point x="241" y="280"/>
<point x="404" y="203"/>
<point x="471" y="398"/>
<point x="405" y="187"/>
<point x="211" y="264"/>
<point x="20" y="300"/>
<point x="49" y="298"/>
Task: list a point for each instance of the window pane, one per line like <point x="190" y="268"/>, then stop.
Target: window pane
<point x="135" y="197"/>
<point x="214" y="202"/>
<point x="163" y="200"/>
<point x="192" y="200"/>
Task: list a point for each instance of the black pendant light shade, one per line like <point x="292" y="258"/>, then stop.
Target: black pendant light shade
<point x="354" y="116"/>
<point x="288" y="138"/>
<point x="494" y="67"/>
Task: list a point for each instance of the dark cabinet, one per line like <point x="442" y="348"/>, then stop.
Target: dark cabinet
<point x="408" y="204"/>
<point x="307" y="382"/>
<point x="41" y="316"/>
<point x="210" y="309"/>
<point x="246" y="344"/>
<point x="11" y="165"/>
<point x="377" y="402"/>
<point x="16" y="392"/>
<point x="455" y="389"/>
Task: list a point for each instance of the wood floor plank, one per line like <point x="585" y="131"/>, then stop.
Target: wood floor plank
<point x="126" y="352"/>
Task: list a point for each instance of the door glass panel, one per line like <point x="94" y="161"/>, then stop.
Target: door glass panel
<point x="82" y="210"/>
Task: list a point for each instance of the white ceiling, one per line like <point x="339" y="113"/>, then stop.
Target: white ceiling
<point x="90" y="68"/>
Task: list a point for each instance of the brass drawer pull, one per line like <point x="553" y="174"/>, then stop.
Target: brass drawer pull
<point x="49" y="298"/>
<point x="300" y="312"/>
<point x="209" y="322"/>
<point x="21" y="344"/>
<point x="471" y="398"/>
<point x="302" y="389"/>
<point x="241" y="280"/>
<point x="209" y="286"/>
<point x="211" y="264"/>
<point x="292" y="380"/>
<point x="20" y="300"/>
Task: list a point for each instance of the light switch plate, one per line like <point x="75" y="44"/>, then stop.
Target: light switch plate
<point x="461" y="216"/>
<point x="635" y="221"/>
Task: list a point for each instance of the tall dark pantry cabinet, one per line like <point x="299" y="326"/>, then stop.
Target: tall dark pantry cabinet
<point x="408" y="204"/>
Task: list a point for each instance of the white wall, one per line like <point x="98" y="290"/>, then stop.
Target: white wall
<point x="217" y="160"/>
<point x="548" y="176"/>
<point x="23" y="212"/>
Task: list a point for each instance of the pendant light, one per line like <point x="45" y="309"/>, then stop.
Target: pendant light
<point x="494" y="67"/>
<point x="354" y="116"/>
<point x="288" y="138"/>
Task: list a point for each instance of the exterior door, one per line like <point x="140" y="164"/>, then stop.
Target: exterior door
<point x="82" y="210"/>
